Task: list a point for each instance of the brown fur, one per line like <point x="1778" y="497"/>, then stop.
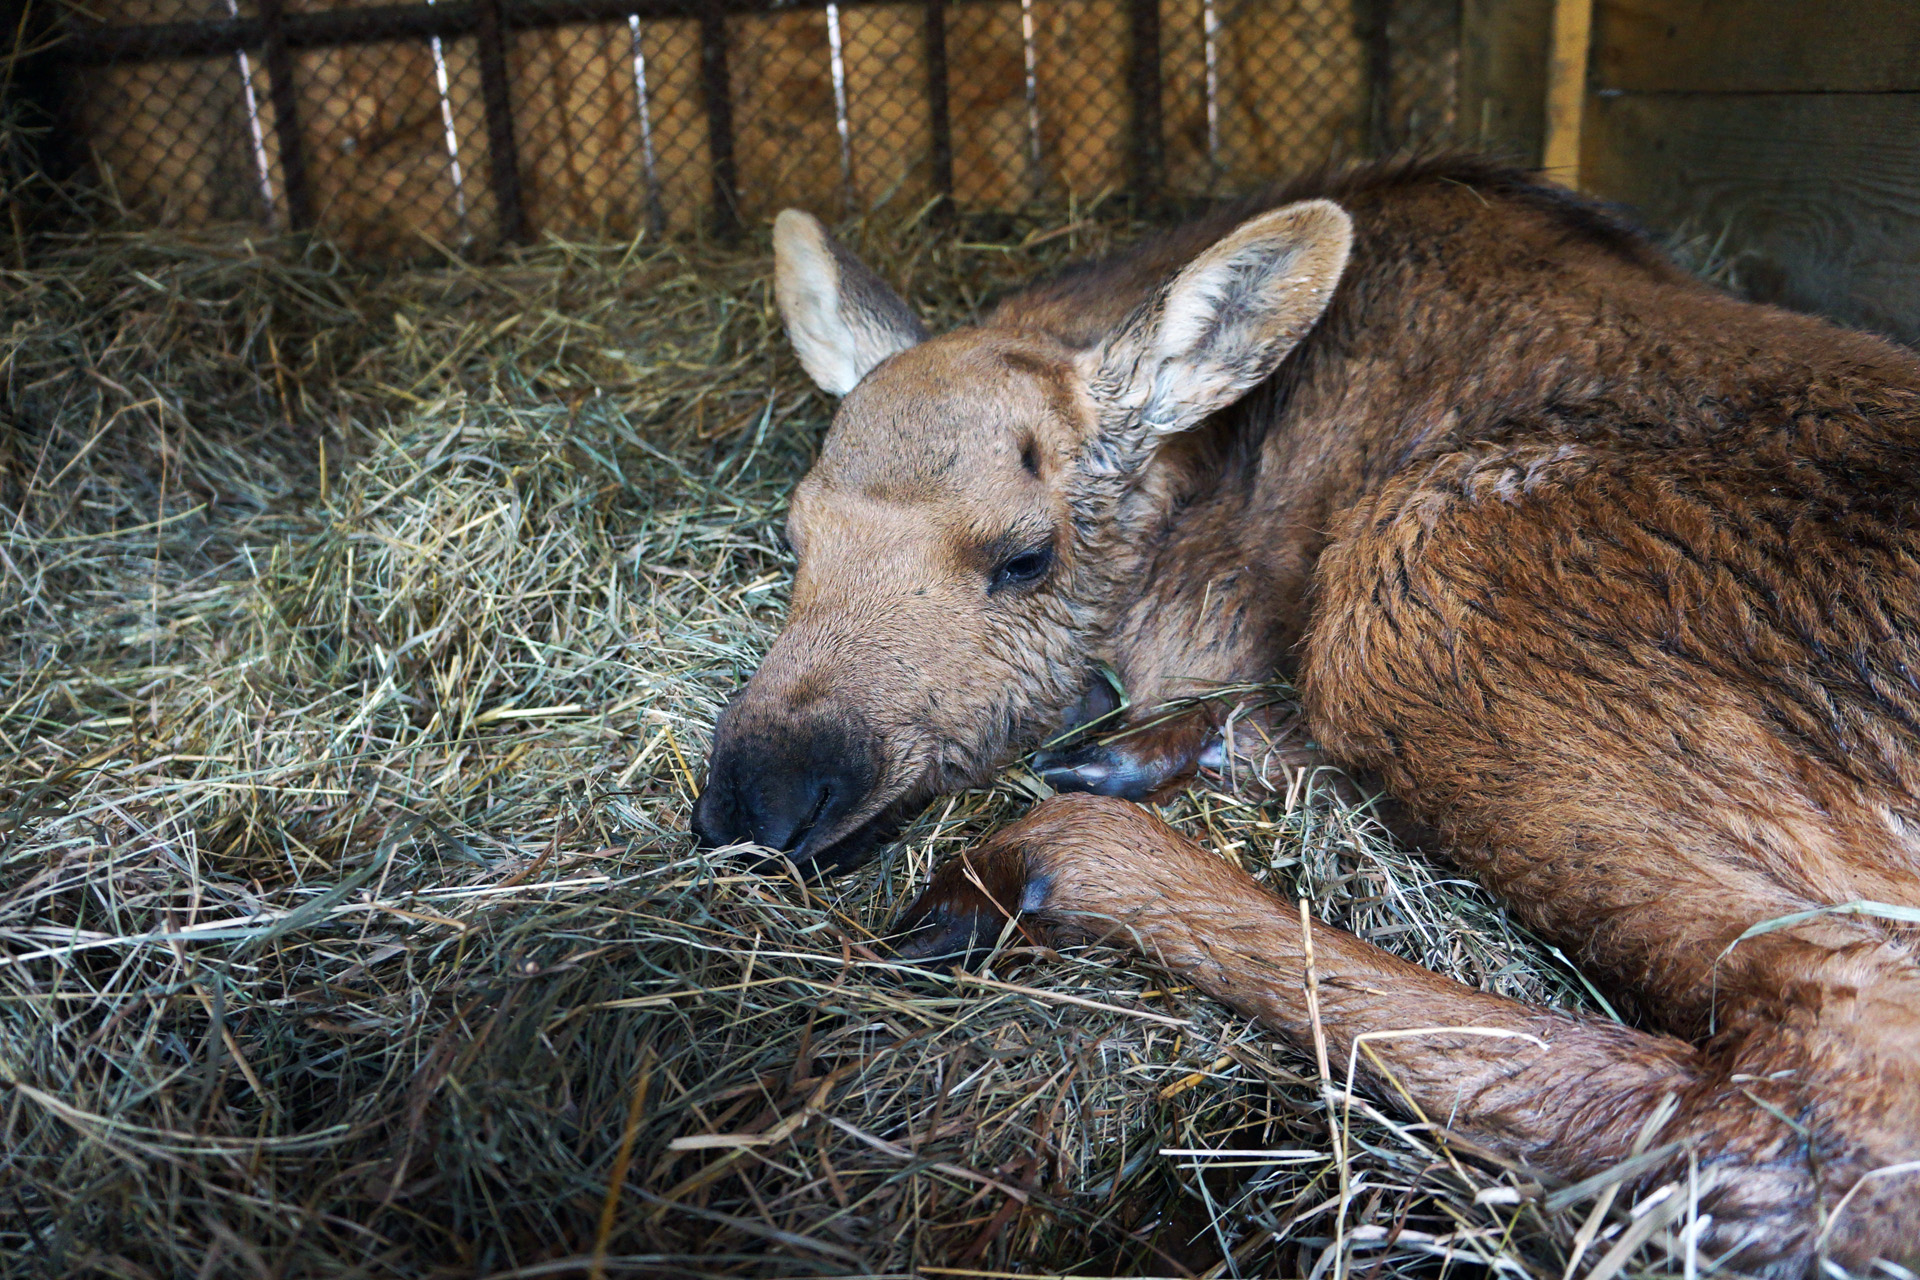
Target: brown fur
<point x="1610" y="577"/>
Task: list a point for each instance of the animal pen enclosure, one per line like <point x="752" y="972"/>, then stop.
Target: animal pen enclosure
<point x="467" y="123"/>
<point x="368" y="613"/>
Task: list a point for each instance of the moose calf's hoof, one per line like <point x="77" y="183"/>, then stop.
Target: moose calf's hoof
<point x="960" y="915"/>
<point x="1069" y="868"/>
<point x="1105" y="769"/>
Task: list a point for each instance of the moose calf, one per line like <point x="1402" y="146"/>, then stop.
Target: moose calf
<point x="1610" y="577"/>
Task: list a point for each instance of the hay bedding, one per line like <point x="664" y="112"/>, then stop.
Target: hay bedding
<point x="364" y="635"/>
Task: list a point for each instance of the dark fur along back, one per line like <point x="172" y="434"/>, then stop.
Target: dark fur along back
<point x="1083" y="300"/>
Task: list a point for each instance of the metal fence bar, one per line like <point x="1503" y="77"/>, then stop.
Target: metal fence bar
<point x="503" y="156"/>
<point x="939" y="111"/>
<point x="277" y="55"/>
<point x="1370" y="21"/>
<point x="331" y="28"/>
<point x="732" y="106"/>
<point x="1144" y="87"/>
<point x="717" y="88"/>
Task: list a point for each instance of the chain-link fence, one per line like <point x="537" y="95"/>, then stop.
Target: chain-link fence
<point x="465" y="123"/>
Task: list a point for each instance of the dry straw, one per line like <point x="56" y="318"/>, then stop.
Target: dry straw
<point x="363" y="639"/>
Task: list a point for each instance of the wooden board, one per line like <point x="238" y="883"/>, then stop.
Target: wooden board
<point x="677" y="118"/>
<point x="786" y="133"/>
<point x="1423" y="90"/>
<point x="1816" y="196"/>
<point x="1757" y="46"/>
<point x="1503" y="77"/>
<point x="576" y="115"/>
<point x="1292" y="86"/>
<point x="172" y="139"/>
<point x="1085" y="112"/>
<point x="378" y="156"/>
<point x="375" y="137"/>
<point x="987" y="78"/>
<point x="1289" y="90"/>
<point x="1568" y="56"/>
<point x="884" y="51"/>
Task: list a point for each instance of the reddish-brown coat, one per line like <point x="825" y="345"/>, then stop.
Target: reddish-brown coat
<point x="1613" y="579"/>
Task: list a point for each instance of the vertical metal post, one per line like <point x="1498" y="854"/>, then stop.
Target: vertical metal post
<point x="1143" y="85"/>
<point x="503" y="152"/>
<point x="1370" y="20"/>
<point x="939" y="111"/>
<point x="33" y="89"/>
<point x="286" y="116"/>
<point x="649" y="159"/>
<point x="717" y="84"/>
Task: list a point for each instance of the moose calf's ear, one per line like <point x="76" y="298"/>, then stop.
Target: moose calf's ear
<point x="1224" y="322"/>
<point x="841" y="318"/>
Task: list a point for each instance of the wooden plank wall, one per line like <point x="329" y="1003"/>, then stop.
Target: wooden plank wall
<point x="1788" y="137"/>
<point x="1292" y="86"/>
<point x="1290" y="91"/>
<point x="677" y="115"/>
<point x="577" y="121"/>
<point x="1186" y="129"/>
<point x="374" y="132"/>
<point x="378" y="158"/>
<point x="1081" y="53"/>
<point x="1503" y="77"/>
<point x="987" y="78"/>
<point x="171" y="138"/>
<point x="171" y="166"/>
<point x="786" y="131"/>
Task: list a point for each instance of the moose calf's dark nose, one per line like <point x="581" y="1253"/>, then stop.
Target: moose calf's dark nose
<point x="777" y="810"/>
<point x="783" y="788"/>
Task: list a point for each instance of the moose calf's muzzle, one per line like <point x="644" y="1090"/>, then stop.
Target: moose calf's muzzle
<point x="787" y="784"/>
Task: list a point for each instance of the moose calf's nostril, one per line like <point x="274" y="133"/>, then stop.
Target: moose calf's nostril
<point x="712" y="825"/>
<point x="789" y="791"/>
<point x="785" y="811"/>
<point x="775" y="809"/>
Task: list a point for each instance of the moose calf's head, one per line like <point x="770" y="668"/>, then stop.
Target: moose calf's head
<point x="962" y="540"/>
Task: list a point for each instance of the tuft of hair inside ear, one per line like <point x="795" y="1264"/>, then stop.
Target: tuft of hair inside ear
<point x="1225" y="321"/>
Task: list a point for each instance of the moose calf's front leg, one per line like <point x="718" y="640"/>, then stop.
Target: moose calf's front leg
<point x="1564" y="1093"/>
<point x="1086" y="868"/>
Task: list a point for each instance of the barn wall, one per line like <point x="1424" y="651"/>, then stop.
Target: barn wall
<point x="1776" y="130"/>
<point x="1503" y="77"/>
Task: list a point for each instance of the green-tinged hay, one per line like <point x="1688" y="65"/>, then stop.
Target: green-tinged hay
<point x="348" y="924"/>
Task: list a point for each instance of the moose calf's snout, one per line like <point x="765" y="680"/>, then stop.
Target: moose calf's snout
<point x="785" y="786"/>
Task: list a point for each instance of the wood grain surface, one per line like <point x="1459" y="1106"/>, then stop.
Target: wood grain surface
<point x="1814" y="199"/>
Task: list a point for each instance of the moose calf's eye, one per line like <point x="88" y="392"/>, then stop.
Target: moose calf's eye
<point x="1026" y="567"/>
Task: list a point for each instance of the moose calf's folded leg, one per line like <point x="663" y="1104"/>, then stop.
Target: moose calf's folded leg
<point x="1218" y="608"/>
<point x="1251" y="745"/>
<point x="1564" y="1093"/>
